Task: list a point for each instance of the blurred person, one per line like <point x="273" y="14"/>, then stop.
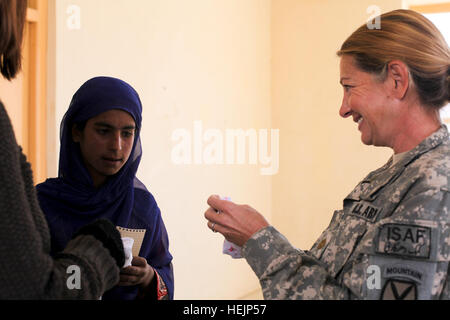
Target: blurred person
<point x="391" y="239"/>
<point x="89" y="264"/>
<point x="99" y="157"/>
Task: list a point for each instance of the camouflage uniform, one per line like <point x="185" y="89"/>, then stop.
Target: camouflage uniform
<point x="390" y="241"/>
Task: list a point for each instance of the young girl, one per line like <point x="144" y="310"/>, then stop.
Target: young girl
<point x="99" y="156"/>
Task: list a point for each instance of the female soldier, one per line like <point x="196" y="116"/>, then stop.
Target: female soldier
<point x="391" y="240"/>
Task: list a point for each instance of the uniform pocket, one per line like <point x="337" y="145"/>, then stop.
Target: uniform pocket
<point x="322" y="242"/>
<point x="344" y="242"/>
<point x="370" y="187"/>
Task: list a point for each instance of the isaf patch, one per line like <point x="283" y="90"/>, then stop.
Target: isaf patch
<point x="404" y="240"/>
<point x="399" y="290"/>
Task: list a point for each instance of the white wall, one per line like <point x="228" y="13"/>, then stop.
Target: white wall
<point x="248" y="64"/>
<point x="189" y="60"/>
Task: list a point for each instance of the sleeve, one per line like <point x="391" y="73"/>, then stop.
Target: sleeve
<point x="157" y="290"/>
<point x="286" y="272"/>
<point x="159" y="257"/>
<point x="411" y="248"/>
<point x="403" y="256"/>
<point x="161" y="288"/>
<point x="446" y="292"/>
<point x="27" y="271"/>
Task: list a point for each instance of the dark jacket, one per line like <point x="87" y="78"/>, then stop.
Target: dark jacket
<point x="84" y="270"/>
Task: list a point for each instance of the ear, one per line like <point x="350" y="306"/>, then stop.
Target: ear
<point x="76" y="134"/>
<point x="398" y="77"/>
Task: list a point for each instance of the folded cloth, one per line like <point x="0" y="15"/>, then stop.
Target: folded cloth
<point x="232" y="249"/>
<point x="128" y="248"/>
<point x="228" y="247"/>
<point x="104" y="231"/>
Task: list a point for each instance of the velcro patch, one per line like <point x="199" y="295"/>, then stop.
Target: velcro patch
<point x="365" y="210"/>
<point x="399" y="290"/>
<point x="404" y="271"/>
<point x="404" y="240"/>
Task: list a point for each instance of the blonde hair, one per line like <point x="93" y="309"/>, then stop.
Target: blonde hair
<point x="410" y="37"/>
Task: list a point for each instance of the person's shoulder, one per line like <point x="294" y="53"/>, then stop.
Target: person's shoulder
<point x="141" y="190"/>
<point x="6" y="131"/>
<point x="49" y="184"/>
<point x="146" y="211"/>
<point x="143" y="196"/>
<point x="433" y="167"/>
<point x="4" y="118"/>
<point x="2" y="108"/>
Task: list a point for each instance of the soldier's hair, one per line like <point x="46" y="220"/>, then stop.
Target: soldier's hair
<point x="12" y="21"/>
<point x="410" y="37"/>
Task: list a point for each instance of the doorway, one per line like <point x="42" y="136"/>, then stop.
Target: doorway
<point x="25" y="97"/>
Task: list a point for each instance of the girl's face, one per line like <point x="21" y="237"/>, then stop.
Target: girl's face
<point x="106" y="143"/>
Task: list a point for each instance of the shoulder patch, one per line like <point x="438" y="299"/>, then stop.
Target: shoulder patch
<point x="365" y="210"/>
<point x="404" y="240"/>
<point x="404" y="271"/>
<point x="399" y="290"/>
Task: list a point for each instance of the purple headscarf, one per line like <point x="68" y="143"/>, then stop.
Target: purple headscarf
<point x="71" y="200"/>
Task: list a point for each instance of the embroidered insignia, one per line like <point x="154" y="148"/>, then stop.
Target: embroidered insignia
<point x="322" y="244"/>
<point x="404" y="271"/>
<point x="365" y="210"/>
<point x="399" y="290"/>
<point x="404" y="240"/>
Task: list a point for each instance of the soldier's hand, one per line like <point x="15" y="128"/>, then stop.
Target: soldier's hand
<point x="237" y="223"/>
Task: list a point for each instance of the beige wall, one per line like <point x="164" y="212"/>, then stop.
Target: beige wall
<point x="231" y="64"/>
<point x="189" y="60"/>
<point x="408" y="3"/>
<point x="322" y="157"/>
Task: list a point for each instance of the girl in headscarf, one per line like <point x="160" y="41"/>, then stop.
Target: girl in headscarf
<point x="99" y="156"/>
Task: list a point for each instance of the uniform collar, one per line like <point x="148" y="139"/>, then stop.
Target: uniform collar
<point x="435" y="139"/>
<point x="368" y="189"/>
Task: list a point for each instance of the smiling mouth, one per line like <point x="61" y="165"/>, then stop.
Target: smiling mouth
<point x="358" y="119"/>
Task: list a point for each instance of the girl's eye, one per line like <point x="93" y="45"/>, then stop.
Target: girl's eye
<point x="127" y="134"/>
<point x="102" y="131"/>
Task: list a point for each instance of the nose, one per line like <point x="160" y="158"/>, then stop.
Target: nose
<point x="116" y="142"/>
<point x="345" y="111"/>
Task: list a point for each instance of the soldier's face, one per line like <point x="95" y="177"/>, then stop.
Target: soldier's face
<point x="367" y="102"/>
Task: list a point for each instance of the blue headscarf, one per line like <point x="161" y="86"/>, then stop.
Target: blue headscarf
<point x="71" y="200"/>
